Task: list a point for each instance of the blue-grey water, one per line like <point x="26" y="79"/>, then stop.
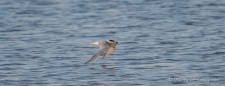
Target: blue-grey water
<point x="161" y="42"/>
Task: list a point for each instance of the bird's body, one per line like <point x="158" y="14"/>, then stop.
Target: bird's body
<point x="106" y="46"/>
<point x="110" y="49"/>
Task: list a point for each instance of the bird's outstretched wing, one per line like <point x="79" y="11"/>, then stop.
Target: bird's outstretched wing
<point x="101" y="50"/>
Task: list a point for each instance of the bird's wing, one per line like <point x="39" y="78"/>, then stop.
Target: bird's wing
<point x="109" y="50"/>
<point x="101" y="50"/>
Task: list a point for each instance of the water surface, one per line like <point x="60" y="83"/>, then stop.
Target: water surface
<point x="46" y="43"/>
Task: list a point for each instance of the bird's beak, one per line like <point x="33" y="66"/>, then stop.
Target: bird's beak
<point x="95" y="43"/>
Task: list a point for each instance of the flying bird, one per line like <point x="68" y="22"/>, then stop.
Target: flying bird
<point x="105" y="46"/>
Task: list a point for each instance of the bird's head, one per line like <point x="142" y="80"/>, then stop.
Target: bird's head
<point x="112" y="41"/>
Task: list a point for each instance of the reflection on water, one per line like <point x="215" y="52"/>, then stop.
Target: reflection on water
<point x="108" y="68"/>
<point x="103" y="68"/>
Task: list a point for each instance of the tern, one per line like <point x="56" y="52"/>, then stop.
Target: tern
<point x="106" y="46"/>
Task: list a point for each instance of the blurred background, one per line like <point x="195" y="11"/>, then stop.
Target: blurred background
<point x="161" y="42"/>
